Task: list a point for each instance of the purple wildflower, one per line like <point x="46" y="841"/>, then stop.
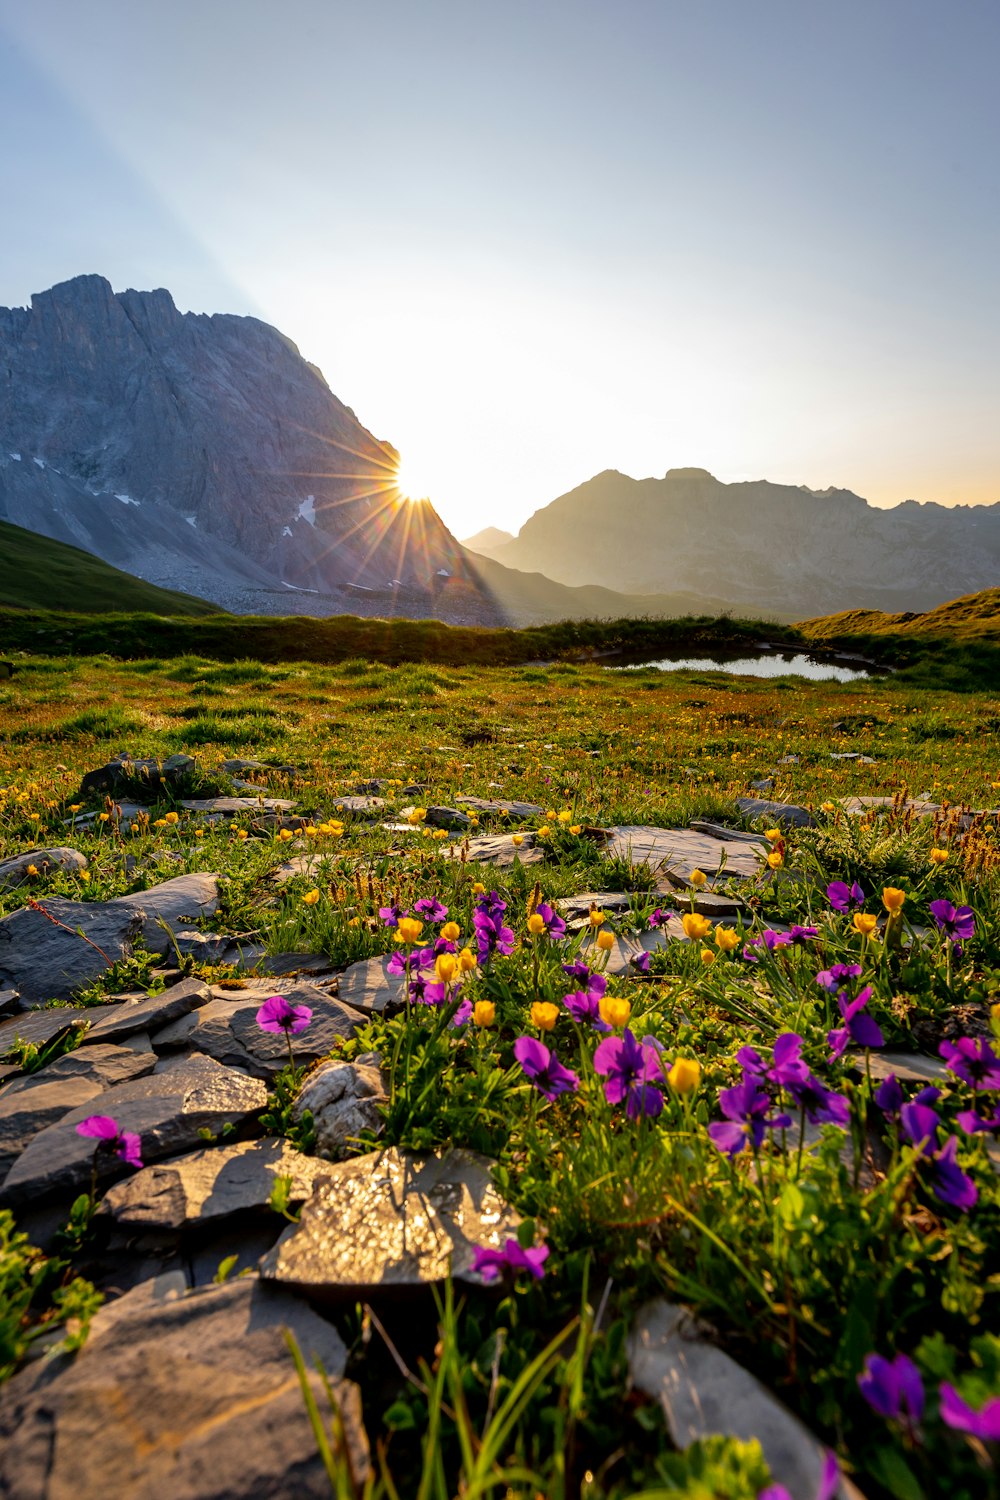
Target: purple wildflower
<point x="844" y="897"/>
<point x="976" y="1124"/>
<point x="555" y="927"/>
<point x="596" y="983"/>
<point x="837" y="978"/>
<point x="492" y="936"/>
<point x="751" y="1062"/>
<point x="430" y="909"/>
<point x="390" y="915"/>
<point x="949" y="1183"/>
<point x="958" y="1414"/>
<point x="745" y="1108"/>
<point x="972" y="1060"/>
<point x="463" y="1015"/>
<point x="584" y="1006"/>
<point x="660" y="918"/>
<point x="491" y="905"/>
<point x="858" y="1027"/>
<point x="630" y="1068"/>
<point x="821" y="1105"/>
<point x="893" y="1388"/>
<point x="491" y="1263"/>
<point x="107" y="1132"/>
<point x="957" y="923"/>
<point x="544" y="1069"/>
<point x="890" y="1098"/>
<point x="277" y="1015"/>
<point x="801" y="935"/>
<point x="769" y="940"/>
<point x="640" y="961"/>
<point x="828" y="1481"/>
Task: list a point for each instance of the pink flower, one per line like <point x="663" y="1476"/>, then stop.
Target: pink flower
<point x="107" y="1132"/>
<point x="277" y="1015"/>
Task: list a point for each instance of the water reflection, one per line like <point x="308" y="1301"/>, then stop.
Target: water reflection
<point x="767" y="664"/>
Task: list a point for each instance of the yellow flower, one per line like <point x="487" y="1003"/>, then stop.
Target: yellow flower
<point x="773" y="835"/>
<point x="311" y="897"/>
<point x="605" y="941"/>
<point x="466" y="960"/>
<point x="75" y="807"/>
<point x="409" y="931"/>
<point x="517" y="839"/>
<point x="473" y="821"/>
<point x="614" y="1012"/>
<point x="417" y="815"/>
<point x="776" y="859"/>
<point x="865" y="923"/>
<point x="451" y="932"/>
<point x="536" y="924"/>
<point x="439" y="833"/>
<point x="484" y="1013"/>
<point x="596" y="917"/>
<point x="34" y="817"/>
<point x="544" y="1015"/>
<point x="478" y="889"/>
<point x="695" y="927"/>
<point x="707" y="957"/>
<point x="284" y="834"/>
<point x="445" y="967"/>
<point x="32" y="870"/>
<point x="939" y="856"/>
<point x="727" y="938"/>
<point x="551" y="814"/>
<point x="565" y="815"/>
<point x="698" y="878"/>
<point x="574" y="828"/>
<point x="171" y="817"/>
<point x="828" y="807"/>
<point x="310" y="831"/>
<point x="160" y="823"/>
<point x="544" y="831"/>
<point x="103" y="817"/>
<point x="892" y="899"/>
<point x="85" y="876"/>
<point x="199" y="833"/>
<point x="241" y="833"/>
<point x="684" y="1076"/>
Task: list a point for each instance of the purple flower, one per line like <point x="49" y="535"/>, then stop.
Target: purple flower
<point x="956" y="922"/>
<point x="837" y="977"/>
<point x="858" y="1027"/>
<point x="463" y="1015"/>
<point x="660" y="918"/>
<point x="821" y="1105"/>
<point x="958" y="1414"/>
<point x="745" y="1107"/>
<point x="544" y="1068"/>
<point x="769" y="940"/>
<point x="975" y="1124"/>
<point x="828" y="1481"/>
<point x="630" y="1068"/>
<point x="844" y="897"/>
<point x="491" y="905"/>
<point x="585" y="1006"/>
<point x="890" y="1098"/>
<point x="555" y="927"/>
<point x="596" y="983"/>
<point x="801" y="935"/>
<point x="430" y="909"/>
<point x="491" y="1263"/>
<point x="491" y="937"/>
<point x="949" y="1183"/>
<point x="751" y="1062"/>
<point x="893" y="1388"/>
<point x="107" y="1132"/>
<point x="390" y="915"/>
<point x="277" y="1015"/>
<point x="974" y="1061"/>
<point x="640" y="961"/>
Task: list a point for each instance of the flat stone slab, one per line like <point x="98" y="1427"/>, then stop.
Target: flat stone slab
<point x="40" y="1026"/>
<point x="104" y="1065"/>
<point x="441" y="817"/>
<point x="909" y="1067"/>
<point x="112" y="1023"/>
<point x="703" y="1391"/>
<point x="25" y="1112"/>
<point x="303" y="864"/>
<point x="678" y="851"/>
<point x="225" y="807"/>
<point x="504" y="809"/>
<point x="49" y="962"/>
<point x="367" y="987"/>
<point x="228" y="1031"/>
<point x="626" y="949"/>
<point x="498" y="849"/>
<point x="572" y="907"/>
<point x="166" y="1109"/>
<point x="15" y="871"/>
<point x="392" y="1219"/>
<point x="191" y="1397"/>
<point x="784" y="814"/>
<point x="720" y="831"/>
<point x="344" y="1099"/>
<point x="360" y="807"/>
<point x="211" y="1184"/>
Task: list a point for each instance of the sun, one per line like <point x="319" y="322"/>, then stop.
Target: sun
<point x="410" y="483"/>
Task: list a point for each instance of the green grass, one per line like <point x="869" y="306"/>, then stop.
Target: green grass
<point x="37" y="569"/>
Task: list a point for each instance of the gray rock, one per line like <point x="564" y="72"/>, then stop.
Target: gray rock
<point x="40" y="1026"/>
<point x="123" y="773"/>
<point x="103" y="1065"/>
<point x="909" y="1067"/>
<point x="442" y="817"/>
<point x="497" y="849"/>
<point x="360" y="807"/>
<point x="15" y="871"/>
<point x="214" y="808"/>
<point x="703" y="1391"/>
<point x="10" y="1002"/>
<point x="49" y="962"/>
<point x="678" y="851"/>
<point x="210" y="1184"/>
<point x="26" y="1111"/>
<point x="783" y="814"/>
<point x="622" y="955"/>
<point x="763" y="785"/>
<point x="392" y="1219"/>
<point x="112" y="1023"/>
<point x="167" y="1110"/>
<point x="505" y="809"/>
<point x="367" y="986"/>
<point x="720" y="831"/>
<point x="228" y="1031"/>
<point x="344" y="1099"/>
<point x="179" y="1398"/>
<point x="572" y="907"/>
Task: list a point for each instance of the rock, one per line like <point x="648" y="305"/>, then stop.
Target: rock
<point x="40" y="1026"/>
<point x="15" y="871"/>
<point x="211" y="1184"/>
<point x="359" y="807"/>
<point x="763" y="785"/>
<point x="392" y="1219"/>
<point x="166" y="1109"/>
<point x="214" y="808"/>
<point x="784" y="814"/>
<point x="218" y="948"/>
<point x="705" y="903"/>
<point x="49" y="962"/>
<point x="238" y="767"/>
<point x="293" y="963"/>
<point x="703" y="1391"/>
<point x="505" y="809"/>
<point x="678" y="851"/>
<point x="123" y="774"/>
<point x="625" y="950"/>
<point x="10" y="1003"/>
<point x="442" y="817"/>
<point x="909" y="1067"/>
<point x="368" y="987"/>
<point x="572" y="907"/>
<point x="115" y="1022"/>
<point x="497" y="849"/>
<point x="103" y="1065"/>
<point x="228" y="1031"/>
<point x="344" y="1099"/>
<point x="189" y="1397"/>
<point x="25" y="1112"/>
<point x="720" y="831"/>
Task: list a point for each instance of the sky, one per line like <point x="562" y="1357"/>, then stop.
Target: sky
<point x="532" y="241"/>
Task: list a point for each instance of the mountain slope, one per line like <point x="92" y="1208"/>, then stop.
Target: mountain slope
<point x="205" y="453"/>
<point x="973" y="617"/>
<point x="487" y="540"/>
<point x="39" y="573"/>
<point x="761" y="546"/>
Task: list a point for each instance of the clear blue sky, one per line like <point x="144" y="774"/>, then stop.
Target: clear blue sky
<point x="529" y="241"/>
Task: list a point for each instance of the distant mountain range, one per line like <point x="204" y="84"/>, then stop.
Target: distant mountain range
<point x="765" y="548"/>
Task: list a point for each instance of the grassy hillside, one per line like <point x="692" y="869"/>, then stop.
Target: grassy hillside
<point x="974" y="616"/>
<point x="38" y="571"/>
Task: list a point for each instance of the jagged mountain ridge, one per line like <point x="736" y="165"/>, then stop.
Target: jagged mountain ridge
<point x="760" y="545"/>
<point x="204" y="453"/>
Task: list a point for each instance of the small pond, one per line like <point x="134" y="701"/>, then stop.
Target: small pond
<point x="766" y="664"/>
